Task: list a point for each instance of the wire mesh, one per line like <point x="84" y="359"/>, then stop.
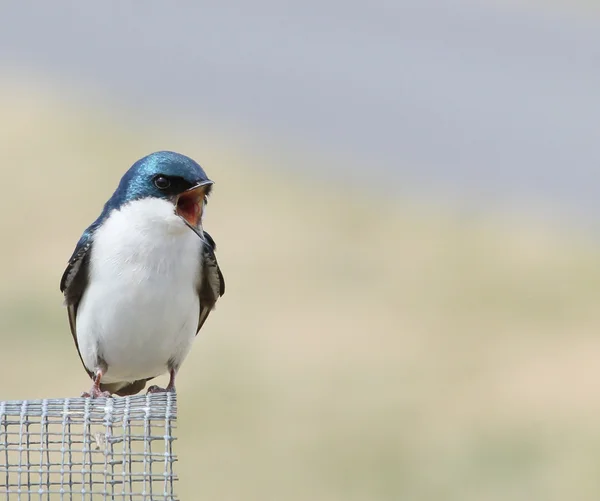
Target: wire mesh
<point x="88" y="449"/>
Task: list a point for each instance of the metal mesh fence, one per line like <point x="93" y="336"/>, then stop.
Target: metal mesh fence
<point x="88" y="449"/>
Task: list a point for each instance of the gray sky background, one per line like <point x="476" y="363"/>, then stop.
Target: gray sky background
<point x="488" y="103"/>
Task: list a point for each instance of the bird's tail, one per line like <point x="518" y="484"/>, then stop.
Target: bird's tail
<point x="124" y="389"/>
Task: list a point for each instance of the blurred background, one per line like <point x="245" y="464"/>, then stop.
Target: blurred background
<point x="406" y="209"/>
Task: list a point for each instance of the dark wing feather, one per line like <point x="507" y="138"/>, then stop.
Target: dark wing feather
<point x="212" y="283"/>
<point x="74" y="282"/>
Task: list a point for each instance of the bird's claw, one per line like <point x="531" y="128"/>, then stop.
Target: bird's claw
<point x="96" y="393"/>
<point x="157" y="389"/>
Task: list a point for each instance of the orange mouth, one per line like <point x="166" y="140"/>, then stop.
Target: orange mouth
<point x="189" y="205"/>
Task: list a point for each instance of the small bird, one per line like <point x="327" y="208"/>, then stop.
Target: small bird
<point x="143" y="277"/>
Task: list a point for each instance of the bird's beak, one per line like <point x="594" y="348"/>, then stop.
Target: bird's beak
<point x="190" y="203"/>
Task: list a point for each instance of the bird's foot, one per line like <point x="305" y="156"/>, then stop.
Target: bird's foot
<point x="170" y="387"/>
<point x="96" y="393"/>
<point x="157" y="389"/>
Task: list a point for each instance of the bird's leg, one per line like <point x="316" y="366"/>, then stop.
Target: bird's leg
<point x="170" y="387"/>
<point x="95" y="391"/>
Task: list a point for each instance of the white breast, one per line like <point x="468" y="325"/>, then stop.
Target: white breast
<point x="140" y="309"/>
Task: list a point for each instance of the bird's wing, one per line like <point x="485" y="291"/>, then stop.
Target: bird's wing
<point x="211" y="285"/>
<point x="74" y="282"/>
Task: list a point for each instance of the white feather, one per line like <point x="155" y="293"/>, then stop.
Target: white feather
<point x="141" y="307"/>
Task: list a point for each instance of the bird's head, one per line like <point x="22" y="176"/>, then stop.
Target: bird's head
<point x="170" y="176"/>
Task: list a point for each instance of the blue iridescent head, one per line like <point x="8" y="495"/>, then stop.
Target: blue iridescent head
<point x="163" y="174"/>
<point x="167" y="175"/>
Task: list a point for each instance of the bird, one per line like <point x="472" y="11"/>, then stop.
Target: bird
<point x="143" y="277"/>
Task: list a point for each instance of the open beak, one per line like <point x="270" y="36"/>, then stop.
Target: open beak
<point x="190" y="203"/>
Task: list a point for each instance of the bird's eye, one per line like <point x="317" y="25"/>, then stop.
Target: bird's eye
<point x="161" y="182"/>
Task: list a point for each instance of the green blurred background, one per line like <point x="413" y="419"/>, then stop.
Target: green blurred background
<point x="375" y="342"/>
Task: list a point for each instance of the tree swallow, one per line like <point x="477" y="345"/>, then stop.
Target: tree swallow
<point x="143" y="277"/>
